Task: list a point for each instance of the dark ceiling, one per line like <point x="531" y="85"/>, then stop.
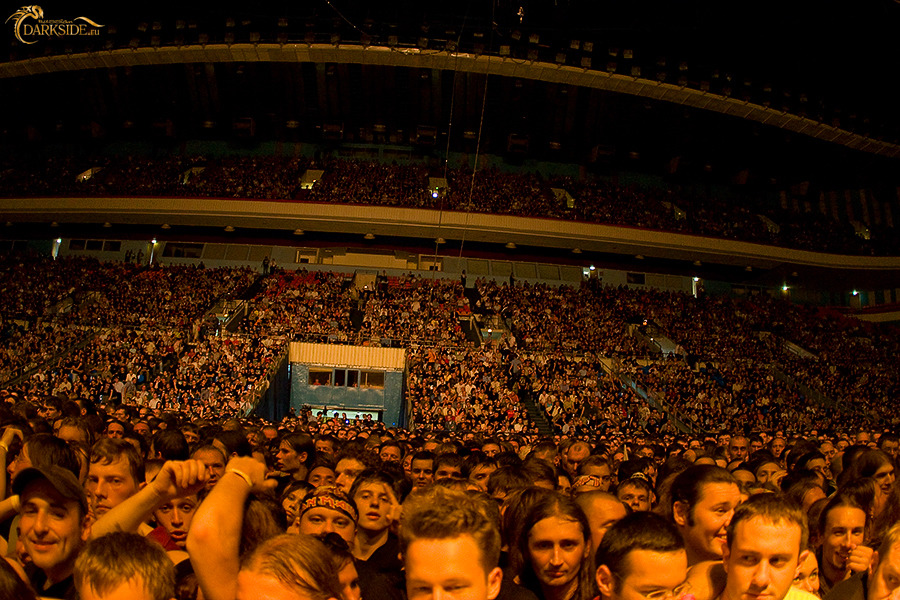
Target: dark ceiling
<point x="830" y="62"/>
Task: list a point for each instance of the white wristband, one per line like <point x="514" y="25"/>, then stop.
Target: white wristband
<point x="242" y="475"/>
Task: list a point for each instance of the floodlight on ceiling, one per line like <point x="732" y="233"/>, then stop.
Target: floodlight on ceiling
<point x="369" y="236"/>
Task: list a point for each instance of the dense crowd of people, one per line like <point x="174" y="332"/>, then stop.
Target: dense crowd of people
<point x="413" y="309"/>
<point x="142" y="439"/>
<point x="732" y="364"/>
<point x="122" y="498"/>
<point x="743" y="216"/>
<point x="460" y="389"/>
<point x="302" y="305"/>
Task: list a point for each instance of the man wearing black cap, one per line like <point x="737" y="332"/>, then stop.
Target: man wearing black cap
<point x="53" y="528"/>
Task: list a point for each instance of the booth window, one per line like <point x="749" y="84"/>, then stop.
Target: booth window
<point x="320" y="377"/>
<point x="373" y="379"/>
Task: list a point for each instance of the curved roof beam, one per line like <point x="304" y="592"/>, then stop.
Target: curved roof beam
<point x="451" y="61"/>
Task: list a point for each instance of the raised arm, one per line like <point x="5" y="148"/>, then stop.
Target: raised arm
<point x="9" y="436"/>
<point x="176" y="480"/>
<point x="214" y="540"/>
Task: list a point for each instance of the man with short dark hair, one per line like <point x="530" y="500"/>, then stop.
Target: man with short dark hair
<point x="116" y="473"/>
<point x="326" y="445"/>
<point x="448" y="466"/>
<point x="479" y="468"/>
<point x="889" y="443"/>
<point x="422" y="469"/>
<point x="636" y="492"/>
<point x="214" y="459"/>
<point x="390" y="451"/>
<point x="596" y="466"/>
<point x="641" y="556"/>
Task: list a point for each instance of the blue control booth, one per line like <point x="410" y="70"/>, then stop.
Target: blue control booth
<point x="351" y="380"/>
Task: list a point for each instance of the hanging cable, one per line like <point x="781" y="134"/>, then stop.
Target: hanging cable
<point x="480" y="130"/>
<point x="449" y="137"/>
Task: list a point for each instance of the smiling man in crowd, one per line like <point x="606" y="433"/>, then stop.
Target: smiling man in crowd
<point x="54" y="526"/>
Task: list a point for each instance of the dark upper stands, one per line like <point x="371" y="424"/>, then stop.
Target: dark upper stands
<point x="493" y="191"/>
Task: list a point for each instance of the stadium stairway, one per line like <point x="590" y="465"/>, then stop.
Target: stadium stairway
<point x="526" y="397"/>
<point x="252" y="290"/>
<point x="356" y="318"/>
<point x="474" y="296"/>
<point x="89" y="337"/>
<point x="471" y="329"/>
<point x="481" y="320"/>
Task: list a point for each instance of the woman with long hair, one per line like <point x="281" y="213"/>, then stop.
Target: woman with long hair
<point x="879" y="466"/>
<point x="555" y="545"/>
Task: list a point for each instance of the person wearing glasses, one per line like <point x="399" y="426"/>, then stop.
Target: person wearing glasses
<point x="642" y="557"/>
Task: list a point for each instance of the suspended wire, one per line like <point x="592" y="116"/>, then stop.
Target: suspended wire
<point x="487" y="76"/>
<point x="469" y="202"/>
<point x="346" y="20"/>
<point x="449" y="135"/>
